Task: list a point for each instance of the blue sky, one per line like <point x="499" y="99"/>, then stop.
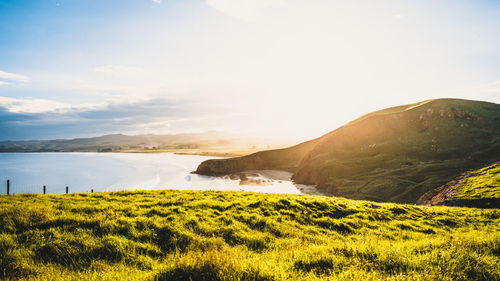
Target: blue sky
<point x="280" y="68"/>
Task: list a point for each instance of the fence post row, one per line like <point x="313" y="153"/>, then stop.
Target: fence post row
<point x="44" y="189"/>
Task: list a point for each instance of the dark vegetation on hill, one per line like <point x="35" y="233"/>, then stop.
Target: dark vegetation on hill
<point x="116" y="142"/>
<point x="185" y="235"/>
<point x="208" y="143"/>
<point x="396" y="154"/>
<point x="479" y="188"/>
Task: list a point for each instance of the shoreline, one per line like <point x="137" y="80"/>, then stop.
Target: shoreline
<point x="197" y="153"/>
<point x="258" y="176"/>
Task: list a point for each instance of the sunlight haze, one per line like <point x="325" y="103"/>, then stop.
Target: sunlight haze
<point x="280" y="68"/>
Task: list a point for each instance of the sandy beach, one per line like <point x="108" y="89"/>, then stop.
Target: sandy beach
<point x="263" y="176"/>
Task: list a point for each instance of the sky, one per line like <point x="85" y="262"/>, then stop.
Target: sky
<point x="292" y="69"/>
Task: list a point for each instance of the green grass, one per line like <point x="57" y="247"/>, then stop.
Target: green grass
<point x="481" y="184"/>
<point x="187" y="235"/>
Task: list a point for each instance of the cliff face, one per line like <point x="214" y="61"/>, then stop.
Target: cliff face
<point x="219" y="167"/>
<point x="280" y="159"/>
<point x="395" y="154"/>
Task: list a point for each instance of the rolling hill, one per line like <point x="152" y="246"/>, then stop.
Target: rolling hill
<point x="395" y="154"/>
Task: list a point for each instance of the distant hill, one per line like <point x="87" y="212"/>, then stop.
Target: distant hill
<point x="479" y="188"/>
<point x="196" y="142"/>
<point x="396" y="154"/>
<point x="108" y="143"/>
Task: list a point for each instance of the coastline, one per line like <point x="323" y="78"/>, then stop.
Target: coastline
<point x="262" y="177"/>
<point x="200" y="152"/>
<point x="227" y="154"/>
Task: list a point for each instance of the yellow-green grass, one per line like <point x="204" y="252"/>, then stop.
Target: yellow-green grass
<point x="188" y="235"/>
<point x="481" y="184"/>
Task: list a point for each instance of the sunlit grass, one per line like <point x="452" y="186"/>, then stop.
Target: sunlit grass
<point x="184" y="235"/>
<point x="484" y="183"/>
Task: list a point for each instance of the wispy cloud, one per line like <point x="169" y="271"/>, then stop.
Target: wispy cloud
<point x="11" y="77"/>
<point x="399" y="16"/>
<point x="27" y="105"/>
<point x="120" y="70"/>
<point x="157" y="1"/>
<point x="491" y="87"/>
<point x="244" y="9"/>
<point x="487" y="91"/>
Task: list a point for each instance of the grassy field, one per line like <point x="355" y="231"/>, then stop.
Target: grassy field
<point x="184" y="235"/>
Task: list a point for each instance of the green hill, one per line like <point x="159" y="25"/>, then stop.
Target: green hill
<point x="188" y="235"/>
<point x="396" y="154"/>
<point x="480" y="188"/>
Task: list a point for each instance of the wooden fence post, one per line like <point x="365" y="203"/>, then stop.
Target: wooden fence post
<point x="66" y="190"/>
<point x="44" y="189"/>
<point x="91" y="191"/>
<point x="8" y="187"/>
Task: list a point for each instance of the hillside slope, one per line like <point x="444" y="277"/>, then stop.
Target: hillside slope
<point x="396" y="154"/>
<point x="479" y="188"/>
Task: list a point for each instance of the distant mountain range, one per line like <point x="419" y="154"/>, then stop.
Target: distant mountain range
<point x="113" y="142"/>
<point x="396" y="154"/>
<point x="141" y="143"/>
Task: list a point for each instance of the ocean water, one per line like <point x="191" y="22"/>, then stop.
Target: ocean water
<point x="81" y="172"/>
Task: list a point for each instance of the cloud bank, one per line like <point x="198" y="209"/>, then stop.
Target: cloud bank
<point x="22" y="119"/>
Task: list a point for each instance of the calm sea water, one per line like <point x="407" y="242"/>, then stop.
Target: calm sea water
<point x="81" y="172"/>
